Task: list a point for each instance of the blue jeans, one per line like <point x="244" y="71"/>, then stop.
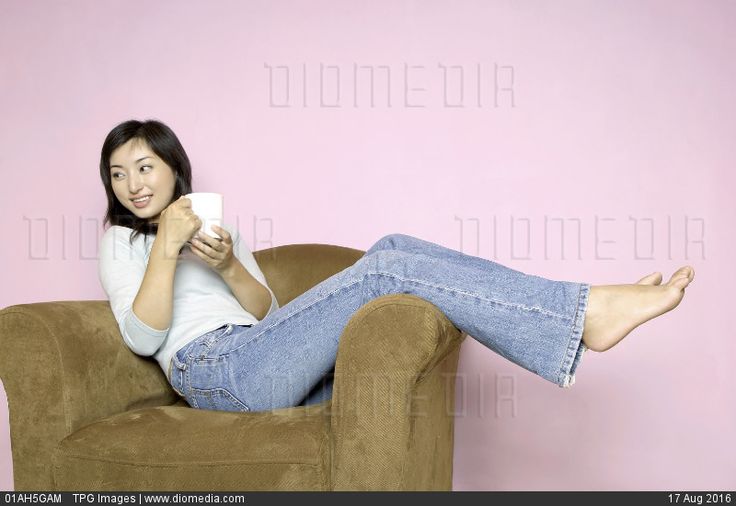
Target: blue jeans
<point x="287" y="358"/>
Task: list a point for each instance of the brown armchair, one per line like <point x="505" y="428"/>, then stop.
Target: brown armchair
<point x="86" y="413"/>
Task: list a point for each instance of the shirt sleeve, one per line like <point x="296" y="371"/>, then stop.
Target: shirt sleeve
<point x="121" y="270"/>
<point x="244" y="254"/>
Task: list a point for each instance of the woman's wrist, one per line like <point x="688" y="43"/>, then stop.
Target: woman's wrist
<point x="231" y="270"/>
<point x="168" y="248"/>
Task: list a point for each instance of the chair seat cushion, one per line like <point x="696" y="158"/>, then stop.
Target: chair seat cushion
<point x="180" y="448"/>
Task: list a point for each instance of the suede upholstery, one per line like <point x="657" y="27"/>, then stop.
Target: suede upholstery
<point x="86" y="413"/>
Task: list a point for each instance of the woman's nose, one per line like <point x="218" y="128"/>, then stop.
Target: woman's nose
<point x="134" y="184"/>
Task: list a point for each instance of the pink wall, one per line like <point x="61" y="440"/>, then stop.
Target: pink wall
<point x="615" y="114"/>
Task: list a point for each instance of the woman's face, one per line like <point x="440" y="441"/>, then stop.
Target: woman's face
<point x="136" y="171"/>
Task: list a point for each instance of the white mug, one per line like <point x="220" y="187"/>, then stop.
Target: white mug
<point x="210" y="208"/>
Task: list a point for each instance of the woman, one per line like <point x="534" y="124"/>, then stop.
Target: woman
<point x="202" y="307"/>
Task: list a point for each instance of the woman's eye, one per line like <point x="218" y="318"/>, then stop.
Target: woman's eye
<point x="115" y="176"/>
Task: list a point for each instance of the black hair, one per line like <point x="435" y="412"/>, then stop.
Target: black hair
<point x="164" y="142"/>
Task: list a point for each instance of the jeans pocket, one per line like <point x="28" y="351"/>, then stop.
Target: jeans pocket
<point x="217" y="399"/>
<point x="208" y="384"/>
<point x="214" y="336"/>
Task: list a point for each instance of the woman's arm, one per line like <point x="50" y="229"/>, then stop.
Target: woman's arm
<point x="154" y="304"/>
<point x="251" y="294"/>
<point x="122" y="269"/>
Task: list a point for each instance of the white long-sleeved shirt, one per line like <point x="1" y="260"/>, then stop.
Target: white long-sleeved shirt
<point x="202" y="301"/>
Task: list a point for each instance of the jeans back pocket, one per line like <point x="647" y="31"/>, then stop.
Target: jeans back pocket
<point x="217" y="399"/>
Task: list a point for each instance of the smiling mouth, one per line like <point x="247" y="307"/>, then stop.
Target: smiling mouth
<point x="140" y="204"/>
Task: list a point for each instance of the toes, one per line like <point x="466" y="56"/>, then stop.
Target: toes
<point x="682" y="277"/>
<point x="652" y="279"/>
<point x="680" y="282"/>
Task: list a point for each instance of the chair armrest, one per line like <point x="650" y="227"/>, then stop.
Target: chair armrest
<point x="392" y="413"/>
<point x="293" y="269"/>
<point x="63" y="366"/>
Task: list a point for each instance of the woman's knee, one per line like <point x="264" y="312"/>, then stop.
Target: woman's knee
<point x="383" y="261"/>
<point x="389" y="242"/>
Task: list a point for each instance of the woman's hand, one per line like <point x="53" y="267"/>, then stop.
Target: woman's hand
<point x="178" y="223"/>
<point x="217" y="253"/>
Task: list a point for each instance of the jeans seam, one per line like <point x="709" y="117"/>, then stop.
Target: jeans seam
<point x="493" y="301"/>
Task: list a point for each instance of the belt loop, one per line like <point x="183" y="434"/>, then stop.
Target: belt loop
<point x="177" y="375"/>
<point x="178" y="364"/>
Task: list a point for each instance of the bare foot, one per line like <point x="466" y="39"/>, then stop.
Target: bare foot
<point x="615" y="310"/>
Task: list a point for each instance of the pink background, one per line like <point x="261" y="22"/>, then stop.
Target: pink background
<point x="608" y="114"/>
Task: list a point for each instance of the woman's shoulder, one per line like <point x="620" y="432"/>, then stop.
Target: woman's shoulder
<point x="117" y="232"/>
<point x="119" y="229"/>
<point x="119" y="235"/>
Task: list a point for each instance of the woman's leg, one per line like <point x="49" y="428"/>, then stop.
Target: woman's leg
<point x="410" y="244"/>
<point x="535" y="322"/>
<point x="402" y="242"/>
<point x="613" y="310"/>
